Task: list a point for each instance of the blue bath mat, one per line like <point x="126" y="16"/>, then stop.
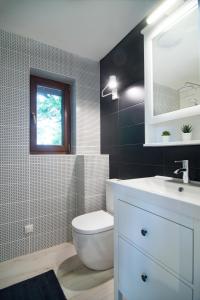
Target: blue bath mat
<point x="42" y="287"/>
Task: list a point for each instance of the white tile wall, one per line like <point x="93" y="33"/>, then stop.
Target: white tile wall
<point x="189" y="97"/>
<point x="47" y="191"/>
<point x="92" y="170"/>
<point x="166" y="99"/>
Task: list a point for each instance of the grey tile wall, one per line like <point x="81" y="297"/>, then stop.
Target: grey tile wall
<point x="92" y="170"/>
<point x="52" y="199"/>
<point x="44" y="190"/>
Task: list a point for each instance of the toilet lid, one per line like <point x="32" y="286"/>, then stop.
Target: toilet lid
<point x="94" y="222"/>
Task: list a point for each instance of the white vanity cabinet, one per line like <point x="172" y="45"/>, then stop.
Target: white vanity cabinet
<point x="157" y="241"/>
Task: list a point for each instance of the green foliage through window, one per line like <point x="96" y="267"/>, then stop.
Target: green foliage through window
<point x="49" y="116"/>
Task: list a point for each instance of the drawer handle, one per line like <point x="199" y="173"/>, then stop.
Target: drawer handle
<point x="144" y="232"/>
<point x="144" y="277"/>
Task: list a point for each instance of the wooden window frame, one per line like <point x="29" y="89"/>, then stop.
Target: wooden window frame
<point x="49" y="149"/>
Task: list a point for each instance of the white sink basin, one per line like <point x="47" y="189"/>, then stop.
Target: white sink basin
<point x="167" y="187"/>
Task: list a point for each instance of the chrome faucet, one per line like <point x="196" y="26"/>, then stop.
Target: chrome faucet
<point x="184" y="170"/>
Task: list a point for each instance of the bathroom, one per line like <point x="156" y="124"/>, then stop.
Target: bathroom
<point x="72" y="183"/>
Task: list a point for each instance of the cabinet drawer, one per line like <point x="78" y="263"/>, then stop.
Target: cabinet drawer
<point x="165" y="240"/>
<point x="142" y="279"/>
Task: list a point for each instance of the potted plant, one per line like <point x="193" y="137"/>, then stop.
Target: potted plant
<point x="186" y="132"/>
<point x="165" y="136"/>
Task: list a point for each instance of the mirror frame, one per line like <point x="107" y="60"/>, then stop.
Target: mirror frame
<point x="150" y="32"/>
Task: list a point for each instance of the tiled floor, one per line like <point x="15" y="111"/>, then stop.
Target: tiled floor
<point x="77" y="282"/>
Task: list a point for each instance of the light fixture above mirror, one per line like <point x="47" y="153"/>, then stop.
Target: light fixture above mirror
<point x="163" y="10"/>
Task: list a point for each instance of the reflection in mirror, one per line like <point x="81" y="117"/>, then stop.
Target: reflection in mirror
<point x="176" y="66"/>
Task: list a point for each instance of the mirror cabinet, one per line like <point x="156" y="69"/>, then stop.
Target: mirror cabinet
<point x="172" y="76"/>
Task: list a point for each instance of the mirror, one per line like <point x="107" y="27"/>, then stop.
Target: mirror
<point x="176" y="66"/>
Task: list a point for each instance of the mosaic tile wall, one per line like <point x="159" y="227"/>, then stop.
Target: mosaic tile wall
<point x="91" y="173"/>
<point x="166" y="99"/>
<point x="44" y="190"/>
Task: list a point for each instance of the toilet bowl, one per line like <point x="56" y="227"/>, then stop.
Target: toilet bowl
<point x="93" y="235"/>
<point x="93" y="239"/>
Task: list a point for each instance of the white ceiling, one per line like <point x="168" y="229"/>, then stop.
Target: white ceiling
<point x="90" y="28"/>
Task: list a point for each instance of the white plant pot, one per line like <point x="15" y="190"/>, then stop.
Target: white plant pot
<point x="186" y="136"/>
<point x="165" y="138"/>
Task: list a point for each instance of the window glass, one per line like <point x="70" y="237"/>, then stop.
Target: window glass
<point x="49" y="116"/>
<point x="49" y="109"/>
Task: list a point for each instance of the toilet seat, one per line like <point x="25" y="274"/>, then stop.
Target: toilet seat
<point x="94" y="222"/>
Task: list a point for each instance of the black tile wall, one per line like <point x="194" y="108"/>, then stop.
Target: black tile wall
<point x="132" y="116"/>
<point x="122" y="120"/>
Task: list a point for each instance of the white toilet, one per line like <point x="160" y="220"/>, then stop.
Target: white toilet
<point x="93" y="235"/>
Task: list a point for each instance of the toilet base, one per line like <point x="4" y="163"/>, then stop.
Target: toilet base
<point x="95" y="250"/>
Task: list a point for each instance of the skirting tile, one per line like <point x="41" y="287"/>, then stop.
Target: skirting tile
<point x="14" y="249"/>
<point x="49" y="239"/>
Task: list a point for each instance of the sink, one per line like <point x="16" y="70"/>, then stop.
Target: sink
<point x="166" y="186"/>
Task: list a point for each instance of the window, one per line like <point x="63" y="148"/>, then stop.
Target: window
<point x="50" y="116"/>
